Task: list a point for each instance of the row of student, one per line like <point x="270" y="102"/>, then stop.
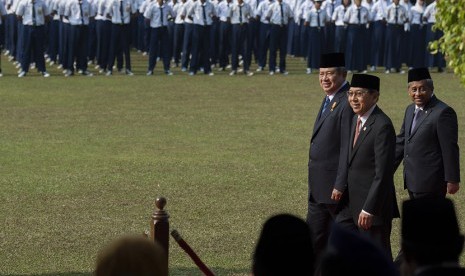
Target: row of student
<point x="183" y="32"/>
<point x="377" y="34"/>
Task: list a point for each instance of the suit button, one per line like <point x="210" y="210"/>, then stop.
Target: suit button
<point x="406" y="156"/>
<point x="310" y="160"/>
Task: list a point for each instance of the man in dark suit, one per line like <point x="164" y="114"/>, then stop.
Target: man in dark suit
<point x="431" y="239"/>
<point x="370" y="197"/>
<point x="327" y="166"/>
<point x="428" y="141"/>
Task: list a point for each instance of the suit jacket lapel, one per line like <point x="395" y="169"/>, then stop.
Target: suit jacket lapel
<point x="366" y="128"/>
<point x="428" y="109"/>
<point x="333" y="103"/>
<point x="352" y="134"/>
<point x="409" y="118"/>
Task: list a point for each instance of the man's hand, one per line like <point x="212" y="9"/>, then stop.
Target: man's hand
<point x="336" y="195"/>
<point x="365" y="220"/>
<point x="452" y="187"/>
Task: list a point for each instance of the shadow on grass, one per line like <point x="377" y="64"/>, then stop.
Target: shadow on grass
<point x="174" y="271"/>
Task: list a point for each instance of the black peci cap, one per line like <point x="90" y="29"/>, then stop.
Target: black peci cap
<point x="365" y="81"/>
<point x="418" y="74"/>
<point x="332" y="60"/>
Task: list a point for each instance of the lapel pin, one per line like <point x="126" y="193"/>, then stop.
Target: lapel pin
<point x="333" y="106"/>
<point x="365" y="128"/>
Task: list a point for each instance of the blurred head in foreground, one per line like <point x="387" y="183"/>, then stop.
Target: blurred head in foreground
<point x="284" y="248"/>
<point x="131" y="256"/>
<point x="349" y="253"/>
<point x="430" y="232"/>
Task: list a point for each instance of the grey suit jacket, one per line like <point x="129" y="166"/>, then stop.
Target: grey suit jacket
<point x="371" y="169"/>
<point x="327" y="165"/>
<point x="431" y="151"/>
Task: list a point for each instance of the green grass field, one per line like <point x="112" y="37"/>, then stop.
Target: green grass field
<point x="83" y="159"/>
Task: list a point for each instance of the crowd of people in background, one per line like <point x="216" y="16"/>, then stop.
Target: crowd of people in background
<point x="198" y="35"/>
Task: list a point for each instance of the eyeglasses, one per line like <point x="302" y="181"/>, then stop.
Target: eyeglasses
<point x="419" y="90"/>
<point x="358" y="94"/>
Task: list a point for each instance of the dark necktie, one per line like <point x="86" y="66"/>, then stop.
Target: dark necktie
<point x="325" y="105"/>
<point x="161" y="17"/>
<point x="318" y="18"/>
<point x="357" y="131"/>
<point x="397" y="15"/>
<point x="82" y="14"/>
<point x="240" y="14"/>
<point x="359" y="16"/>
<point x="418" y="114"/>
<point x="282" y="14"/>
<point x="121" y="11"/>
<point x="332" y="7"/>
<point x="204" y="16"/>
<point x="33" y="14"/>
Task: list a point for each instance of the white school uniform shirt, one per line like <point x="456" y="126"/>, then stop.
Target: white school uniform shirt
<point x="154" y="12"/>
<point x="113" y="10"/>
<point x="10" y="6"/>
<point x="402" y="15"/>
<point x="53" y="8"/>
<point x="177" y="8"/>
<point x="73" y="12"/>
<point x="274" y="13"/>
<point x="262" y="11"/>
<point x="24" y="9"/>
<point x="143" y="7"/>
<point x="61" y="10"/>
<point x="378" y="11"/>
<point x="196" y="12"/>
<point x="312" y="17"/>
<point x="430" y="13"/>
<point x="223" y="9"/>
<point x="138" y="3"/>
<point x="294" y="4"/>
<point x="236" y="10"/>
<point x="408" y="7"/>
<point x="100" y="6"/>
<point x="416" y="15"/>
<point x="351" y="16"/>
<point x="338" y="15"/>
<point x="253" y="5"/>
<point x="304" y="9"/>
<point x="330" y="6"/>
<point x="2" y="11"/>
<point x="185" y="9"/>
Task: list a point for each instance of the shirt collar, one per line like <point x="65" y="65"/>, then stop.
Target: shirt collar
<point x="367" y="114"/>
<point x="331" y="96"/>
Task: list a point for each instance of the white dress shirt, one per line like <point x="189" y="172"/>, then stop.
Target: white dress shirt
<point x="396" y="15"/>
<point x="158" y="15"/>
<point x="430" y="13"/>
<point x="351" y="16"/>
<point x="262" y="11"/>
<point x="279" y="13"/>
<point x="223" y="9"/>
<point x="116" y="7"/>
<point x="199" y="16"/>
<point x="25" y="10"/>
<point x="314" y="15"/>
<point x="237" y="10"/>
<point x="73" y="11"/>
